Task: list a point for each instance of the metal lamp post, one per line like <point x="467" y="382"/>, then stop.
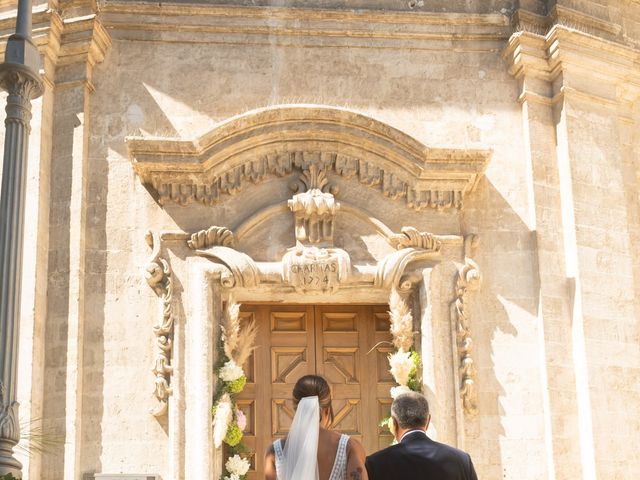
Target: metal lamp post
<point x="19" y="77"/>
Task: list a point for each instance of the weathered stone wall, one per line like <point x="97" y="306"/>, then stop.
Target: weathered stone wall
<point x="555" y="324"/>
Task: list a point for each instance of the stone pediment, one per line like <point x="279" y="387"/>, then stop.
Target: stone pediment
<point x="275" y="141"/>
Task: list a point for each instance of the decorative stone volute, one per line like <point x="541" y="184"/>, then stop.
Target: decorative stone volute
<point x="314" y="210"/>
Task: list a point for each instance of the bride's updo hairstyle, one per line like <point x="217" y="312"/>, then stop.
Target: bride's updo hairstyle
<point x="314" y="386"/>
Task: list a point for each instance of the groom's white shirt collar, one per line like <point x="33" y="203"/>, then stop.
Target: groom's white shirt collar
<point x="412" y="431"/>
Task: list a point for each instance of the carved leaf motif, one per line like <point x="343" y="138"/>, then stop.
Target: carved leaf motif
<point x="158" y="275"/>
<point x="468" y="279"/>
<point x="20" y="83"/>
<point x="315" y="166"/>
<point x="314" y="178"/>
<point x="411" y="237"/>
<point x="9" y="425"/>
<point x="211" y="237"/>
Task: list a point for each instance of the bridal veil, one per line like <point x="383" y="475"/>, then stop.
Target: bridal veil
<point x="301" y="447"/>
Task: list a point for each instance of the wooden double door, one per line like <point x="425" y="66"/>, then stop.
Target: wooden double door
<point x="346" y="344"/>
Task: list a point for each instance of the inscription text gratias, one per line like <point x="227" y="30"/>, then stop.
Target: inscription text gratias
<point x="311" y="269"/>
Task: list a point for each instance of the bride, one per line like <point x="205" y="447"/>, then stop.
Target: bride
<point x="311" y="451"/>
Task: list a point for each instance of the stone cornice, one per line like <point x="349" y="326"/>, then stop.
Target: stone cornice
<point x="63" y="41"/>
<point x="586" y="63"/>
<point x="44" y="20"/>
<point x="207" y="23"/>
<point x="274" y="141"/>
<point x="526" y="21"/>
<point x="84" y="39"/>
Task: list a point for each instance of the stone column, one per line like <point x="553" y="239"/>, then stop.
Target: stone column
<point x="203" y="317"/>
<point x="429" y="352"/>
<point x="19" y="77"/>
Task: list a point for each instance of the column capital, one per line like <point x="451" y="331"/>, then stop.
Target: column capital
<point x="17" y="79"/>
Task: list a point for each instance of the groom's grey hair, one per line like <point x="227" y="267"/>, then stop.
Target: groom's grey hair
<point x="411" y="410"/>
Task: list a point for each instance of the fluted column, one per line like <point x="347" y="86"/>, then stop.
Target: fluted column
<point x="19" y="77"/>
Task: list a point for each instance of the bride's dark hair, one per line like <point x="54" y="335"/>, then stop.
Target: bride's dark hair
<point x="314" y="386"/>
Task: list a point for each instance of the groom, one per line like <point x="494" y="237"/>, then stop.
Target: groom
<point x="416" y="456"/>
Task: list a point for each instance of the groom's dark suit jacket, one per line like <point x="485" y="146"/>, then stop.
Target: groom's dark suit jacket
<point x="417" y="457"/>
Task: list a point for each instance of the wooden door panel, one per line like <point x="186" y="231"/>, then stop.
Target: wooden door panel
<point x="340" y="341"/>
<point x="379" y="369"/>
<point x="334" y="341"/>
<point x="248" y="401"/>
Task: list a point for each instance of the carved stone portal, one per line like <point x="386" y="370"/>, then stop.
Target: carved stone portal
<point x="316" y="141"/>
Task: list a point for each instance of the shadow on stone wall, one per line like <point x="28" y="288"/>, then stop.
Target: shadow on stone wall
<point x="504" y="314"/>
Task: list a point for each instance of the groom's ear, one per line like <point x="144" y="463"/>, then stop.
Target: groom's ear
<point x="395" y="426"/>
<point x="428" y="421"/>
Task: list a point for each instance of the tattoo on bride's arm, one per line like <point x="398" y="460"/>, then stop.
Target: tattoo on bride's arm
<point x="356" y="474"/>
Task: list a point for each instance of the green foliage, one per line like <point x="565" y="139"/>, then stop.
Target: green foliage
<point x="384" y="423"/>
<point x="8" y="476"/>
<point x="236" y="386"/>
<point x="234" y="435"/>
<point x="233" y="439"/>
<point x="415" y="382"/>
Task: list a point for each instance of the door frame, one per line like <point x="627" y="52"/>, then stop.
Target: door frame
<point x="204" y="308"/>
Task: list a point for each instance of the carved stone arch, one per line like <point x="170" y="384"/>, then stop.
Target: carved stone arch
<point x="276" y="140"/>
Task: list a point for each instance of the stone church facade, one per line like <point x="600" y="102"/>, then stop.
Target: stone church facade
<point x="307" y="158"/>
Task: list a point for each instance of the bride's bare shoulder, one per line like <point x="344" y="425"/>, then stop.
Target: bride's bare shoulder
<point x="354" y="446"/>
<point x="355" y="460"/>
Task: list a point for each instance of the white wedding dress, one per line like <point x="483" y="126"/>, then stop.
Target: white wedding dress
<point x="298" y="459"/>
<point x="339" y="470"/>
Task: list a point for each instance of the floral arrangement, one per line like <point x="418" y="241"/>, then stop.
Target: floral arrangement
<point x="229" y="421"/>
<point x="405" y="363"/>
<point x="236" y="467"/>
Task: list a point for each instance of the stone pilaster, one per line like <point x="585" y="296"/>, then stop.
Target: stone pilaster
<point x="83" y="43"/>
<point x="571" y="86"/>
<point x="528" y="57"/>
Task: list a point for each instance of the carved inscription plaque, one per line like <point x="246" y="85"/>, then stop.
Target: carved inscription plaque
<point x="313" y="269"/>
<point x="320" y="275"/>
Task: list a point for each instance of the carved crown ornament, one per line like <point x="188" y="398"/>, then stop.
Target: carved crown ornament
<point x="275" y="141"/>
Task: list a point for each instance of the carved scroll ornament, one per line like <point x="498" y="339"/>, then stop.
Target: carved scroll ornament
<point x="412" y="246"/>
<point x="158" y="277"/>
<point x="410" y="237"/>
<point x="210" y="237"/>
<point x="468" y="279"/>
